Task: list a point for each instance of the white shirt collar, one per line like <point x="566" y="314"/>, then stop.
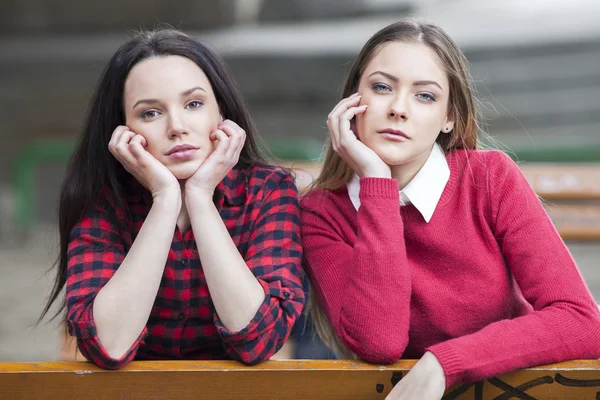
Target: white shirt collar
<point x="423" y="191"/>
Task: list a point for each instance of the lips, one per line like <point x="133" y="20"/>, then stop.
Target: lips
<point x="181" y="148"/>
<point x="393" y="132"/>
<point x="182" y="152"/>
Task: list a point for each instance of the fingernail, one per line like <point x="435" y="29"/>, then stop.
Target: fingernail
<point x="355" y="95"/>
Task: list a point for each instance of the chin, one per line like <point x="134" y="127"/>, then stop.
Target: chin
<point x="392" y="156"/>
<point x="185" y="170"/>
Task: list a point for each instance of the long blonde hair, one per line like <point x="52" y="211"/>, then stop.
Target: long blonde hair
<point x="335" y="173"/>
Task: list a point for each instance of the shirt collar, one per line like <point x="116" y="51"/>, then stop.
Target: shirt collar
<point x="423" y="191"/>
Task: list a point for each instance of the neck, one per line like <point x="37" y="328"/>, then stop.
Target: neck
<point x="183" y="220"/>
<point x="405" y="173"/>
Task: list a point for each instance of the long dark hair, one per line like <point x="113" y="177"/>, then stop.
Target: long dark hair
<point x="92" y="167"/>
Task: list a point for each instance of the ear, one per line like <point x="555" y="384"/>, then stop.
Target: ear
<point x="448" y="123"/>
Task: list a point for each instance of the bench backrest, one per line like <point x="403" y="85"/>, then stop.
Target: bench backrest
<point x="299" y="379"/>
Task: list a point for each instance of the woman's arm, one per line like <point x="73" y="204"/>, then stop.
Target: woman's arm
<point x="565" y="323"/>
<point x="233" y="288"/>
<point x="364" y="288"/>
<point x="123" y="305"/>
<point x="258" y="296"/>
<point x="110" y="293"/>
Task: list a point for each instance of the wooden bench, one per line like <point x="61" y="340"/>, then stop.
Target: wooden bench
<point x="300" y="379"/>
<point x="555" y="181"/>
<point x="570" y="191"/>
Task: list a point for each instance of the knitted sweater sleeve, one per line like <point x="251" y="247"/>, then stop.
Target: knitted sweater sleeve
<point x="565" y="323"/>
<point x="364" y="288"/>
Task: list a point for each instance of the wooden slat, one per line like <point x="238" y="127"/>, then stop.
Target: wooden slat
<point x="552" y="181"/>
<point x="300" y="379"/>
<point x="564" y="181"/>
<point x="576" y="222"/>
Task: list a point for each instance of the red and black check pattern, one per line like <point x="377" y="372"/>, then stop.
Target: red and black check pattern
<point x="260" y="209"/>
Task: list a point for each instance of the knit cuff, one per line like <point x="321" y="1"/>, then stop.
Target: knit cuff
<point x="450" y="361"/>
<point x="380" y="188"/>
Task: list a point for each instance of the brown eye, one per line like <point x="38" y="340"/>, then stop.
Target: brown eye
<point x="195" y="104"/>
<point x="149" y="114"/>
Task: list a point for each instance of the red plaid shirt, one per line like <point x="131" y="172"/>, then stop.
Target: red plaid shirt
<point x="260" y="209"/>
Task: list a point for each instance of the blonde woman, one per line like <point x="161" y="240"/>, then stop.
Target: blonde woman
<point x="419" y="246"/>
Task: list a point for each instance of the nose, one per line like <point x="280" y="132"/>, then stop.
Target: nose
<point x="176" y="126"/>
<point x="398" y="109"/>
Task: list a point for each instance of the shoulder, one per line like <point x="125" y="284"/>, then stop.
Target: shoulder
<point x="488" y="175"/>
<point x="261" y="178"/>
<point x="116" y="209"/>
<point x="269" y="186"/>
<point x="109" y="202"/>
<point x="321" y="200"/>
<point x="481" y="165"/>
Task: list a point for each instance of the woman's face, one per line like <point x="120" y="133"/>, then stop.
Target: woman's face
<point x="406" y="90"/>
<point x="169" y="101"/>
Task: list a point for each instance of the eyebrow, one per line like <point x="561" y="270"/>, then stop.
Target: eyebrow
<point x="183" y="94"/>
<point x="417" y="83"/>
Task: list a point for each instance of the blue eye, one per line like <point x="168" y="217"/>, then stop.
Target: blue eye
<point x="428" y="97"/>
<point x="381" y="87"/>
<point x="194" y="104"/>
<point x="149" y="114"/>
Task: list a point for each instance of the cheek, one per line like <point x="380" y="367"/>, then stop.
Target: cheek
<point x="153" y="142"/>
<point x="366" y="122"/>
<point x="432" y="119"/>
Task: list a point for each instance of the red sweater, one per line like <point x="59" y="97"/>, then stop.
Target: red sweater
<point x="487" y="286"/>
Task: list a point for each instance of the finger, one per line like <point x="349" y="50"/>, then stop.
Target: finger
<point x="122" y="151"/>
<point x="138" y="152"/>
<point x="240" y="147"/>
<point x="351" y="113"/>
<point x="345" y="103"/>
<point x="141" y="158"/>
<point x="142" y="140"/>
<point x="114" y="138"/>
<point x="344" y="125"/>
<point x="236" y="145"/>
<point x="334" y="134"/>
<point x="136" y="146"/>
<point x="333" y="120"/>
<point x="222" y="142"/>
<point x="231" y="128"/>
<point x="237" y="137"/>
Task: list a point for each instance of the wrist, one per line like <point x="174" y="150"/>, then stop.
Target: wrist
<point x="198" y="196"/>
<point x="168" y="200"/>
<point x="376" y="173"/>
<point x="434" y="367"/>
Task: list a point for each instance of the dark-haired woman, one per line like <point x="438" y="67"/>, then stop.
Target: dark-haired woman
<point x="177" y="239"/>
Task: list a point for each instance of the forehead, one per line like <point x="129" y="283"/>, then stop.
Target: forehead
<point x="408" y="61"/>
<point x="158" y="75"/>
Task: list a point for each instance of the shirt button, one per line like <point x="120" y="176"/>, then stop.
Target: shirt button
<point x="181" y="316"/>
<point x="185" y="261"/>
<point x="286" y="294"/>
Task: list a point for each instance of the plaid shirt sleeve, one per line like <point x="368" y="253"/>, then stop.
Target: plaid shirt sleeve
<point x="96" y="249"/>
<point x="274" y="257"/>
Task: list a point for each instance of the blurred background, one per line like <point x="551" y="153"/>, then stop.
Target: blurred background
<point x="535" y="63"/>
